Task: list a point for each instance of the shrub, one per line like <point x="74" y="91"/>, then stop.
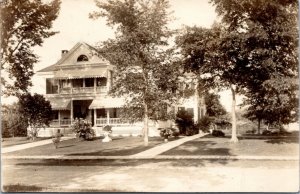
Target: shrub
<point x="266" y="132"/>
<point x="107" y="128"/>
<point x="218" y="133"/>
<point x="204" y="123"/>
<point x="168" y="132"/>
<point x="83" y="129"/>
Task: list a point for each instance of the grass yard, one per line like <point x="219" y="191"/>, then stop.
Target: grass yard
<point x="120" y="146"/>
<point x="259" y="146"/>
<point x="6" y="142"/>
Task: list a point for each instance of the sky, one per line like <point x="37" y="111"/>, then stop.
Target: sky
<point x="74" y="25"/>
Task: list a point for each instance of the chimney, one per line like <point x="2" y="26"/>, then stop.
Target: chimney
<point x="64" y="52"/>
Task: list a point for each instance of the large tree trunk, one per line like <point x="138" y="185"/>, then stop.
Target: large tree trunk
<point x="258" y="126"/>
<point x="234" y="131"/>
<point x="146" y="119"/>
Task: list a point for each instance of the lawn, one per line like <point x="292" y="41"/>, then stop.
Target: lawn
<point x="255" y="145"/>
<point x="6" y="142"/>
<point x="120" y="146"/>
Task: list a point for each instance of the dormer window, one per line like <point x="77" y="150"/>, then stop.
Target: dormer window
<point x="82" y="58"/>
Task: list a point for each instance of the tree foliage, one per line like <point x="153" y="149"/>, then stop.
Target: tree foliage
<point x="214" y="108"/>
<point x="24" y="24"/>
<point x="36" y="110"/>
<point x="145" y="71"/>
<point x="12" y="122"/>
<point x="252" y="52"/>
<point x="269" y="41"/>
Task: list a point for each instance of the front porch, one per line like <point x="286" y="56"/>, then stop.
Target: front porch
<point x="98" y="112"/>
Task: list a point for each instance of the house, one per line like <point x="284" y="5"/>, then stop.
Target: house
<point x="77" y="86"/>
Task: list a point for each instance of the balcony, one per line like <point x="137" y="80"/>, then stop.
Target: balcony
<point x="83" y="90"/>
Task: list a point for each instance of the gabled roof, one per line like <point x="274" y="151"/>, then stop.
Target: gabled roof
<point x="66" y="56"/>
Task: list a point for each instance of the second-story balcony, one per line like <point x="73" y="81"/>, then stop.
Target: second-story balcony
<point x="83" y="90"/>
<point x="77" y="86"/>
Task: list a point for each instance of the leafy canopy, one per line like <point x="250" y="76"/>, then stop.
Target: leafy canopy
<point x="36" y="110"/>
<point x="145" y="71"/>
<point x="24" y="24"/>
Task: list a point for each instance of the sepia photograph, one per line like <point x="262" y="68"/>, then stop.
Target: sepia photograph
<point x="149" y="96"/>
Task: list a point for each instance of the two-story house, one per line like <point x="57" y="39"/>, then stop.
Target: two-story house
<point x="77" y="86"/>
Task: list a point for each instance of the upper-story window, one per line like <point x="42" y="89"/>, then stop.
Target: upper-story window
<point x="51" y="86"/>
<point x="82" y="58"/>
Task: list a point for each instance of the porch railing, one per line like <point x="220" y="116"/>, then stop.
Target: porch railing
<point x="83" y="90"/>
<point x="63" y="122"/>
<point x="111" y="121"/>
<point x="101" y="89"/>
<point x="80" y="90"/>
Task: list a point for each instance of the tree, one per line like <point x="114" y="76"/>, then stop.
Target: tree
<point x="255" y="44"/>
<point x="24" y="24"/>
<point x="12" y="122"/>
<point x="269" y="37"/>
<point x="145" y="71"/>
<point x="213" y="106"/>
<point x="214" y="56"/>
<point x="277" y="106"/>
<point x="36" y="110"/>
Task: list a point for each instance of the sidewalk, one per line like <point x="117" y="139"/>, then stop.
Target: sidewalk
<point x="29" y="145"/>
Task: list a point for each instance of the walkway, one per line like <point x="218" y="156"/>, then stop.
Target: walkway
<point x="30" y="145"/>
<point x="165" y="147"/>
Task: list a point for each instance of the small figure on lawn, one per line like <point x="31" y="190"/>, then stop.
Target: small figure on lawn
<point x="56" y="138"/>
<point x="107" y="130"/>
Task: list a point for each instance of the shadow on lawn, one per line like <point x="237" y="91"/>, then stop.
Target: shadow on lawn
<point x="128" y="163"/>
<point x="283" y="140"/>
<point x="66" y="146"/>
<point x="273" y="139"/>
<point x="21" y="188"/>
<point x="199" y="148"/>
<point x="124" y="151"/>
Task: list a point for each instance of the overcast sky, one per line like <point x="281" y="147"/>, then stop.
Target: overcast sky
<point x="74" y="25"/>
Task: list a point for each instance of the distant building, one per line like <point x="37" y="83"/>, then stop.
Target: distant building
<point x="77" y="87"/>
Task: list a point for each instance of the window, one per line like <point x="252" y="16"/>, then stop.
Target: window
<point x="190" y="111"/>
<point x="101" y="81"/>
<point x="82" y="58"/>
<point x="89" y="82"/>
<point x="180" y="108"/>
<point x="65" y="84"/>
<point x="77" y="83"/>
<point x="51" y="86"/>
<point x="54" y="114"/>
<point x="101" y="113"/>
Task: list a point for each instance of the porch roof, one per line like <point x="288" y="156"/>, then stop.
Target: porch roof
<point x="80" y="73"/>
<point x="107" y="102"/>
<point x="60" y="104"/>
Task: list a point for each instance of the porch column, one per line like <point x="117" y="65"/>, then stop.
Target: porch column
<point x="108" y="80"/>
<point x="59" y="117"/>
<point x="95" y="86"/>
<point x="58" y="86"/>
<point x="71" y="85"/>
<point x="83" y="84"/>
<point x="95" y="117"/>
<point x="71" y="112"/>
<point x="107" y="116"/>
